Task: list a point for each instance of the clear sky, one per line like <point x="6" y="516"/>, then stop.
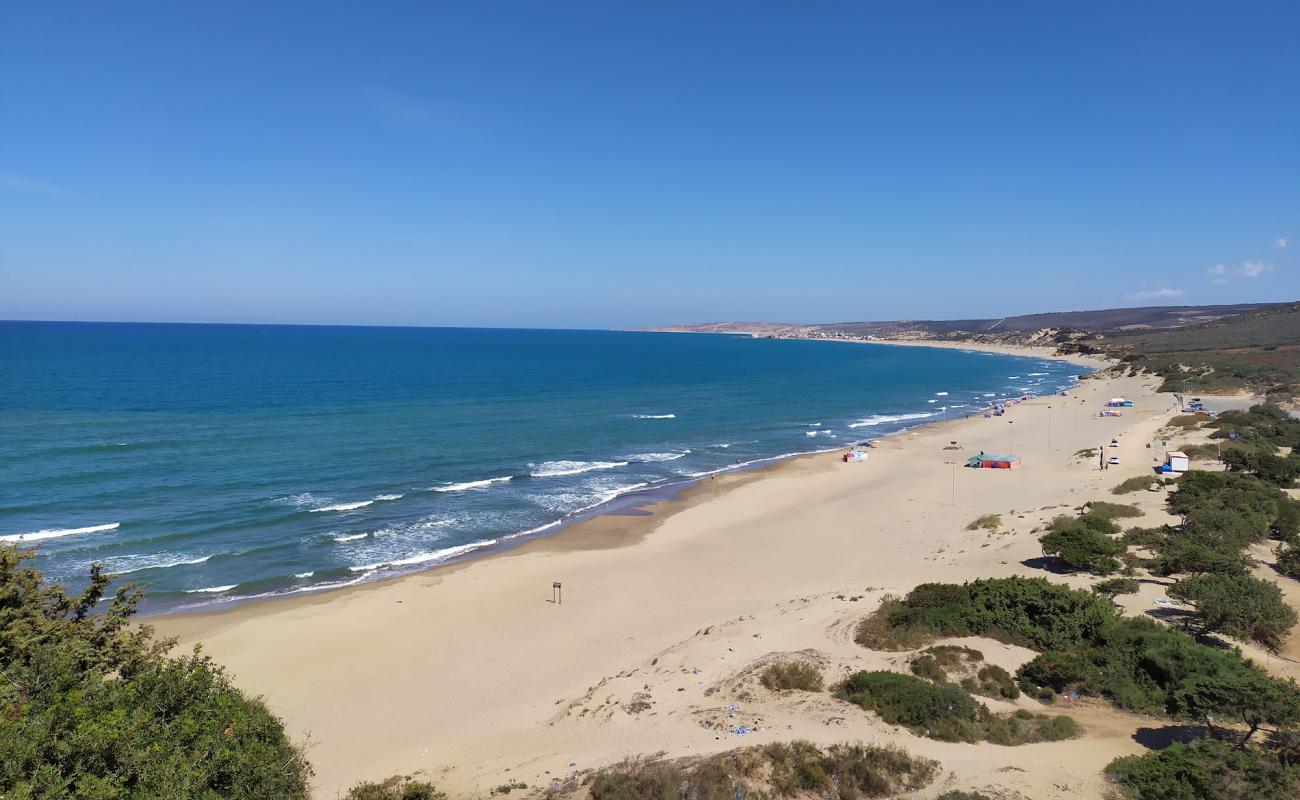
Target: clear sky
<point x="618" y="164"/>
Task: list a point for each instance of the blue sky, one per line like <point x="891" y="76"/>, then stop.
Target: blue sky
<point x="614" y="164"/>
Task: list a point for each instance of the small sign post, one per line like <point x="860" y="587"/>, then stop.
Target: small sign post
<point x="557" y="593"/>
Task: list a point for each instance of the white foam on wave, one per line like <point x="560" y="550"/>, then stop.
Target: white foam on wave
<point x="658" y="456"/>
<point x="723" y="445"/>
<point x="468" y="485"/>
<point x="827" y="432"/>
<point x="654" y="416"/>
<point x="360" y="503"/>
<point x="211" y="589"/>
<point x="143" y="562"/>
<point x="298" y="500"/>
<point x="884" y="419"/>
<point x="56" y="533"/>
<point x="304" y="574"/>
<point x="932" y="401"/>
<point x="555" y="469"/>
<point x="425" y="558"/>
<point x="345" y="506"/>
<point x="416" y="528"/>
<point x="940" y="394"/>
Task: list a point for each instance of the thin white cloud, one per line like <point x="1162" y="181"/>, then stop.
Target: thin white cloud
<point x="1246" y="269"/>
<point x="1281" y="242"/>
<point x="17" y="183"/>
<point x="1156" y="294"/>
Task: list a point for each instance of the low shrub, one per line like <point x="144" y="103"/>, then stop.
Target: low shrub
<point x="946" y="712"/>
<point x="1137" y="484"/>
<point x="791" y="675"/>
<point x="992" y="681"/>
<point x="934" y="663"/>
<point x="1026" y="611"/>
<point x="1112" y="511"/>
<point x="937" y="710"/>
<point x="796" y="769"/>
<point x="1288" y="560"/>
<point x="986" y="522"/>
<point x="398" y="787"/>
<point x="1206" y="769"/>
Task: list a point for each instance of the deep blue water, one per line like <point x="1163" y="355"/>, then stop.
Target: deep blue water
<point x="215" y="462"/>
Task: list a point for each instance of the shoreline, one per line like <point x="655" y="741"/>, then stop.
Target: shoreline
<point x="677" y="493"/>
<point x="469" y="674"/>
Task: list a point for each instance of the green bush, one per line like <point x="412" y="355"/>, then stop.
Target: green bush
<point x="1139" y="665"/>
<point x="398" y="787"/>
<point x="1241" y="606"/>
<point x="1114" y="587"/>
<point x="94" y="707"/>
<point x="938" y="710"/>
<point x="790" y="675"/>
<point x="1082" y="544"/>
<point x="992" y="681"/>
<point x="1025" y="611"/>
<point x="1288" y="560"/>
<point x="946" y="712"/>
<point x="1205" y="770"/>
<point x="1137" y="484"/>
<point x="796" y="769"/>
<point x="1111" y="511"/>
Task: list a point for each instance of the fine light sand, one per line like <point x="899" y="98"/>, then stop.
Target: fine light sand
<point x="471" y="675"/>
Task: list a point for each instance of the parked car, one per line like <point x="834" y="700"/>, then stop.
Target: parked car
<point x="1113" y="460"/>
<point x="1114" y="442"/>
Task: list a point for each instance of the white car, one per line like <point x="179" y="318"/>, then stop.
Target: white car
<point x="1113" y="460"/>
<point x="1114" y="442"/>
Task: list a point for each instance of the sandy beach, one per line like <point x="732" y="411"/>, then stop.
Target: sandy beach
<point x="471" y="675"/>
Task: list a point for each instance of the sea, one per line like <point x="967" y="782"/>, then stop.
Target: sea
<point x="223" y="463"/>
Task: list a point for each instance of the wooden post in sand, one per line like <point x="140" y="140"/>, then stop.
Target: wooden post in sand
<point x="557" y="593"/>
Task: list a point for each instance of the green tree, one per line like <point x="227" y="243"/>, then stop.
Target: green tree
<point x="93" y="707"/>
<point x="1082" y="547"/>
<point x="1248" y="698"/>
<point x="1238" y="605"/>
<point x="1114" y="587"/>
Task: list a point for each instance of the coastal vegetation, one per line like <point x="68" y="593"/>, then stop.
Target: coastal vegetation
<point x="95" y="707"/>
<point x="1138" y="483"/>
<point x="1086" y="543"/>
<point x="792" y="675"/>
<point x="941" y="662"/>
<point x="398" y="787"/>
<point x="986" y="522"/>
<point x="1258" y="350"/>
<point x="1240" y="606"/>
<point x="1114" y="587"/>
<point x="797" y="769"/>
<point x="1206" y="769"/>
<point x="946" y="711"/>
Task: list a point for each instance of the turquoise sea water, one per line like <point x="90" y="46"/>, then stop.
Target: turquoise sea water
<point x="220" y="462"/>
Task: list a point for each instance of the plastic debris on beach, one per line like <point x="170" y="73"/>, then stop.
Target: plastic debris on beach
<point x="695" y="670"/>
<point x="741" y="730"/>
<point x="733" y="707"/>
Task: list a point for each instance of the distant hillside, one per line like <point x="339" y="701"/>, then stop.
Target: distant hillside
<point x="1106" y="320"/>
<point x="1257" y="350"/>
